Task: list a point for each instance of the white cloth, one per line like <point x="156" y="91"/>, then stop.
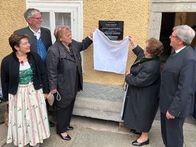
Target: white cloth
<point x="123" y="104"/>
<point x="110" y="56"/>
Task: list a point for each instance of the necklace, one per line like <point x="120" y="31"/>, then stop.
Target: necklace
<point x="22" y="58"/>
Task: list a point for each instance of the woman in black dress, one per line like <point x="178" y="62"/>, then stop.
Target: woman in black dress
<point x="143" y="87"/>
<point x="65" y="75"/>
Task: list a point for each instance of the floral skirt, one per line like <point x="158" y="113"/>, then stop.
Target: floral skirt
<point x="28" y="118"/>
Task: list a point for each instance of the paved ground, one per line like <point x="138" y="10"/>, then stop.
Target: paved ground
<point x="98" y="133"/>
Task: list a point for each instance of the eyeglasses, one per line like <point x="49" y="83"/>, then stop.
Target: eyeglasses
<point x="38" y="18"/>
<point x="173" y="36"/>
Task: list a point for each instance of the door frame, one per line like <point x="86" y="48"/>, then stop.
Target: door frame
<point x="157" y="7"/>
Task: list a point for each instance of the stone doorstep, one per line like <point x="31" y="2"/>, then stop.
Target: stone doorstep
<point x="98" y="108"/>
<point x="100" y="91"/>
<point x="98" y="104"/>
<point x="97" y="114"/>
<point x="100" y="101"/>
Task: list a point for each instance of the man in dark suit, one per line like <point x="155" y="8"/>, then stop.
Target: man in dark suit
<point x="39" y="37"/>
<point x="177" y="86"/>
<point x="194" y="109"/>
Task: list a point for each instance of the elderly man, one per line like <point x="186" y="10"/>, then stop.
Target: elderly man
<point x="177" y="86"/>
<point x="39" y="37"/>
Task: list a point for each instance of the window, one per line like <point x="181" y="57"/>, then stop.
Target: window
<point x="64" y="12"/>
<point x="63" y="18"/>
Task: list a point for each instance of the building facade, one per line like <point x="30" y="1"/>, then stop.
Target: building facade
<point x="103" y="93"/>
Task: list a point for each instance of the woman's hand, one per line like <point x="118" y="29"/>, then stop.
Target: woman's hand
<point x="169" y="116"/>
<point x="127" y="72"/>
<point x="132" y="42"/>
<point x="46" y="95"/>
<point x="53" y="91"/>
<point x="91" y="33"/>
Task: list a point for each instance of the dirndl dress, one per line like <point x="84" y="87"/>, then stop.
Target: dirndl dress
<point x="28" y="118"/>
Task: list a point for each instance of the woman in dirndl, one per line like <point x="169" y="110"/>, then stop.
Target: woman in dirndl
<point x="24" y="84"/>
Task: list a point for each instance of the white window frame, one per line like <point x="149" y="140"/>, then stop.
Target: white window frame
<point x="75" y="7"/>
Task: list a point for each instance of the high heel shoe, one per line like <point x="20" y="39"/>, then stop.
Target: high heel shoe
<point x="135" y="143"/>
<point x="67" y="137"/>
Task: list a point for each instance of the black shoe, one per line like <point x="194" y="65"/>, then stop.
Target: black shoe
<point x="135" y="143"/>
<point x="135" y="132"/>
<point x="70" y="128"/>
<point x="51" y="124"/>
<point x="67" y="138"/>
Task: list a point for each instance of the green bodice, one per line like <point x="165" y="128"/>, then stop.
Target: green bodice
<point x="25" y="76"/>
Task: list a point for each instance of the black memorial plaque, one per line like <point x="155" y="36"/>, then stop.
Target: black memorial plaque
<point x="112" y="29"/>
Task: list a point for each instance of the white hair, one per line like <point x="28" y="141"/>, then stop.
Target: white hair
<point x="30" y="12"/>
<point x="184" y="33"/>
<point x="58" y="31"/>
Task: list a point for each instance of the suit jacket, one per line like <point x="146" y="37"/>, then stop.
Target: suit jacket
<point x="65" y="70"/>
<point x="45" y="36"/>
<point x="178" y="82"/>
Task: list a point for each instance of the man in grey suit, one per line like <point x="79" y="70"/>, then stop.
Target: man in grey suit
<point x="39" y="37"/>
<point x="177" y="86"/>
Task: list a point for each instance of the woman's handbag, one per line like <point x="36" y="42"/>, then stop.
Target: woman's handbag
<point x="50" y="99"/>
